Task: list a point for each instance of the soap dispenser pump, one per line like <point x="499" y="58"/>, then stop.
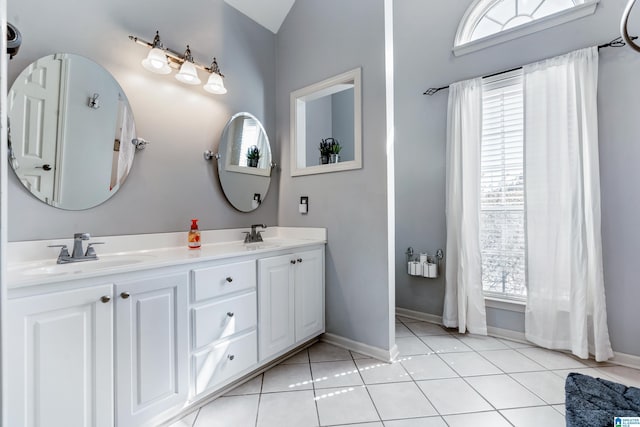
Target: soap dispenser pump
<point x="194" y="235"/>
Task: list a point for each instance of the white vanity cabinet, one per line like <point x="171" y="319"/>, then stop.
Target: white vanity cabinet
<point x="291" y="300"/>
<point x="60" y="359"/>
<point x="223" y="324"/>
<point x="130" y="346"/>
<point x="151" y="347"/>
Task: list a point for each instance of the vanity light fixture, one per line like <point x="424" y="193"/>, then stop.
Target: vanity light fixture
<point x="160" y="60"/>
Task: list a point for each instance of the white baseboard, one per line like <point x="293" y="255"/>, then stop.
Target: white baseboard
<point x="367" y="350"/>
<point x="506" y="334"/>
<point x="628" y="360"/>
<point x="426" y="317"/>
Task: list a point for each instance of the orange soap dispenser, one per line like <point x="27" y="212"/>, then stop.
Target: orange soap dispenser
<point x="194" y="235"/>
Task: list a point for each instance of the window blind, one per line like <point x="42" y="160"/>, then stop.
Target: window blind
<point x="502" y="219"/>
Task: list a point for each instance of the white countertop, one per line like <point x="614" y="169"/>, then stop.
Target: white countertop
<point x="34" y="263"/>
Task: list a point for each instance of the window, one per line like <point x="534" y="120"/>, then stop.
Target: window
<point x="502" y="218"/>
<point x="488" y="22"/>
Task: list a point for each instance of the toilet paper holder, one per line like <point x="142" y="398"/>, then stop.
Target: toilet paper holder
<point x="423" y="265"/>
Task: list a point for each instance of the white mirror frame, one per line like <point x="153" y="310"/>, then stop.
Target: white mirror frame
<point x="300" y="97"/>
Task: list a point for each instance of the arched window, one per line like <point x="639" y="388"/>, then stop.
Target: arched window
<point x="488" y="22"/>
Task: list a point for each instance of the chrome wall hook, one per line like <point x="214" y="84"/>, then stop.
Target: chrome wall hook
<point x="140" y="143"/>
<point x="208" y="155"/>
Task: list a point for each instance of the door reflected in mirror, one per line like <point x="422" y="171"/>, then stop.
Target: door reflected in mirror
<point x="244" y="162"/>
<point x="70" y="132"/>
<point x="326" y="125"/>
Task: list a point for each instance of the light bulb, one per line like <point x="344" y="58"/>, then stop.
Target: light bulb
<point x="215" y="85"/>
<point x="188" y="74"/>
<point x="156" y="62"/>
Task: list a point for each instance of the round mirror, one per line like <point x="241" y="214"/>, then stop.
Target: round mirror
<point x="244" y="162"/>
<point x="70" y="131"/>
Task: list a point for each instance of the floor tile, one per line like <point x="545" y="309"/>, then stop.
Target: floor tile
<point x="424" y="328"/>
<point x="484" y="419"/>
<point x="546" y="385"/>
<point x="480" y="342"/>
<point x="621" y="374"/>
<point x="345" y="405"/>
<point x="534" y="417"/>
<point x="376" y="424"/>
<point x="409" y="346"/>
<point x="511" y="361"/>
<point x="229" y="411"/>
<point x="592" y="372"/>
<point x="407" y="319"/>
<point x="400" y="400"/>
<point x="186" y="421"/>
<point x="301" y="357"/>
<point x="417" y="422"/>
<point x="552" y="359"/>
<point x="356" y="355"/>
<point x="453" y="396"/>
<point x="445" y="344"/>
<point x="402" y="331"/>
<point x="515" y="344"/>
<point x="559" y="408"/>
<point x="253" y="386"/>
<point x="335" y="374"/>
<point x="427" y="367"/>
<point x="323" y="352"/>
<point x="504" y="392"/>
<point x="276" y="410"/>
<point x="375" y="372"/>
<point x="287" y="378"/>
<point x="469" y="364"/>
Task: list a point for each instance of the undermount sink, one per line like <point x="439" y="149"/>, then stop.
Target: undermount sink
<point x="49" y="267"/>
<point x="261" y="245"/>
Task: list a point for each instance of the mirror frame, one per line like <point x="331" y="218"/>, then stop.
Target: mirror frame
<point x="298" y="122"/>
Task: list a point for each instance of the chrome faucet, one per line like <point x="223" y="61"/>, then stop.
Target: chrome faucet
<point x="77" y="255"/>
<point x="254" y="235"/>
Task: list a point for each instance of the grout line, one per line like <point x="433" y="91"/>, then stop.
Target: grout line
<point x="259" y="398"/>
<point x="195" y="420"/>
<point x="366" y="387"/>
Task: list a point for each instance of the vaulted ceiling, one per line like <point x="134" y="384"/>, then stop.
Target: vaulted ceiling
<point x="268" y="13"/>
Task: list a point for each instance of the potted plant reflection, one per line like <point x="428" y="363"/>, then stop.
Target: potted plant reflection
<point x="253" y="155"/>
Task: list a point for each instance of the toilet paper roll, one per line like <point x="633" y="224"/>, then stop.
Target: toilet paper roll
<point x="416" y="268"/>
<point x="433" y="270"/>
<point x="409" y="267"/>
<point x="423" y="258"/>
<point x="425" y="269"/>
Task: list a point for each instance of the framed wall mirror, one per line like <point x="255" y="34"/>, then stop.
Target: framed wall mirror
<point x="70" y="132"/>
<point x="244" y="162"/>
<point x="326" y="125"/>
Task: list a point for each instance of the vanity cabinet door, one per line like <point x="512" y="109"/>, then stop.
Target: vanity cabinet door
<point x="151" y="348"/>
<point x="60" y="359"/>
<point x="309" y="294"/>
<point x="276" y="324"/>
<point x="290" y="300"/>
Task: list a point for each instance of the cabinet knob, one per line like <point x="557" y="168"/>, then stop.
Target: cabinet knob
<point x="231" y="357"/>
<point x="230" y="313"/>
<point x="125" y="295"/>
<point x="299" y="259"/>
<point x="105" y="299"/>
<point x="293" y="261"/>
<point x="229" y="279"/>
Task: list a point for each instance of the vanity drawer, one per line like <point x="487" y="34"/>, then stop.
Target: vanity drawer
<point x="216" y="281"/>
<point x="224" y="318"/>
<point x="224" y="360"/>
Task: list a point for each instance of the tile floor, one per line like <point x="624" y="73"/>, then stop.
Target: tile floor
<point x="441" y="378"/>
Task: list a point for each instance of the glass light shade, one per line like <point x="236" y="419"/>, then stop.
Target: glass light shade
<point x="156" y="62"/>
<point x="215" y="85"/>
<point x="188" y="74"/>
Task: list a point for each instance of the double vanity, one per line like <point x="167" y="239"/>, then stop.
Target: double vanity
<point x="151" y="328"/>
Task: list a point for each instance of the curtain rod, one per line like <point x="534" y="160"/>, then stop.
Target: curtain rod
<point x="617" y="42"/>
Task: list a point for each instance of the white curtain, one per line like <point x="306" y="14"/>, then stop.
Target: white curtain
<point x="566" y="299"/>
<point x="464" y="302"/>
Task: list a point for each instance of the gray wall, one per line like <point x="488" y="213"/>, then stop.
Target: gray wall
<point x="170" y="182"/>
<point x="320" y="39"/>
<point x="423" y="59"/>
